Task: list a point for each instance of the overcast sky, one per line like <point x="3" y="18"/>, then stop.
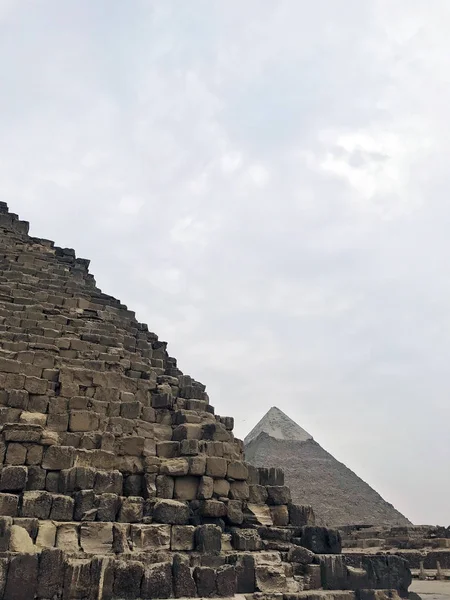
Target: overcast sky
<point x="266" y="183"/>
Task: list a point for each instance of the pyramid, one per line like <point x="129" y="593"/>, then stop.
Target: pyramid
<point x="117" y="478"/>
<point x="338" y="496"/>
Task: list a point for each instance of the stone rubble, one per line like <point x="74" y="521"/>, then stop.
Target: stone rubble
<point x="117" y="478"/>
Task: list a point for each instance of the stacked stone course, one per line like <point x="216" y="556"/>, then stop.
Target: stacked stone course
<point x="117" y="478"/>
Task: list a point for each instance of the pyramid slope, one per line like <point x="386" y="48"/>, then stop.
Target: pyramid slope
<point x="337" y="495"/>
<point x="279" y="426"/>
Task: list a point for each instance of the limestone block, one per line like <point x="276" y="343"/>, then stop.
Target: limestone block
<point x="183" y="581"/>
<point x="96" y="538"/>
<point x="261" y="514"/>
<point x="182" y="538"/>
<point x="83" y="420"/>
<point x="34" y="454"/>
<point x="57" y="458"/>
<point x="212" y="448"/>
<point x="239" y="490"/>
<point x="151" y="537"/>
<point x="226" y="581"/>
<point x="188" y="431"/>
<point x="49" y="438"/>
<point x="280" y="515"/>
<point x="321" y="540"/>
<point x="9" y="504"/>
<point x="62" y="508"/>
<point x="120" y="538"/>
<point x="18" y="399"/>
<point x="299" y="516"/>
<point x="57" y="422"/>
<point x="168" y="449"/>
<point x="270" y="578"/>
<point x="85" y="509"/>
<point x="15" y="454"/>
<point x="221" y="488"/>
<point x="33" y="418"/>
<point x="171" y="512"/>
<point x="175" y="467"/>
<point x="130" y="410"/>
<point x="35" y="385"/>
<point x="298" y="554"/>
<point x="216" y="467"/>
<point x="52" y="481"/>
<point x="128" y="576"/>
<point x="22" y="432"/>
<point x="186" y="487"/>
<point x="97" y="459"/>
<point x="108" y="507"/>
<point x="13" y="478"/>
<point x="46" y="536"/>
<point x="165" y="486"/>
<point x="67" y="537"/>
<point x="162" y="432"/>
<point x="21" y="582"/>
<point x="157" y="581"/>
<point x="235" y="512"/>
<point x="189" y="447"/>
<point x="246" y="540"/>
<point x="152" y="464"/>
<point x="20" y="540"/>
<point x="148" y="414"/>
<point x="237" y="470"/>
<point x="208" y="539"/>
<point x="133" y="485"/>
<point x="205" y="579"/>
<point x="51" y="573"/>
<point x="205" y="488"/>
<point x="36" y="478"/>
<point x="278" y="494"/>
<point x="108" y="482"/>
<point x="132" y="510"/>
<point x="36" y="504"/>
<point x="245" y="573"/>
<point x="130" y="446"/>
<point x="257" y="494"/>
<point x="197" y="465"/>
<point x="214" y="509"/>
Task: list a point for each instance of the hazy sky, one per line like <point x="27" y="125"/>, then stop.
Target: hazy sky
<point x="267" y="184"/>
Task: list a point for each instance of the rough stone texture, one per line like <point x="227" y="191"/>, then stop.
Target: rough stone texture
<point x="117" y="478"/>
<point x="338" y="496"/>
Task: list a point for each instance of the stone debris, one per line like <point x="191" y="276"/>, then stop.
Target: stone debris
<point x="117" y="478"/>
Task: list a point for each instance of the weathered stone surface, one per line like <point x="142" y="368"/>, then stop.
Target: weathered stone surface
<point x="280" y="515"/>
<point x="301" y="555"/>
<point x="205" y="578"/>
<point x="36" y="504"/>
<point x="20" y="540"/>
<point x="186" y="487"/>
<point x="278" y="494"/>
<point x="128" y="576"/>
<point x="175" y="467"/>
<point x="171" y="511"/>
<point x="22" y="578"/>
<point x="13" y="478"/>
<point x="226" y="581"/>
<point x="96" y="538"/>
<point x="183" y="581"/>
<point x="62" y="508"/>
<point x="151" y="537"/>
<point x="208" y="539"/>
<point x="321" y="540"/>
<point x="51" y="573"/>
<point x="182" y="539"/>
<point x="132" y="510"/>
<point x="247" y="540"/>
<point x="205" y="488"/>
<point x="9" y="505"/>
<point x="157" y="581"/>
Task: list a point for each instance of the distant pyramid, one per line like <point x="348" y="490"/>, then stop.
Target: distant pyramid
<point x="337" y="495"/>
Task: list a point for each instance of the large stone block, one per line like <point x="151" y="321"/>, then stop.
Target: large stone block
<point x="197" y="465"/>
<point x="299" y="515"/>
<point x="205" y="579"/>
<point x="57" y="458"/>
<point x="13" y="478"/>
<point x="239" y="490"/>
<point x="280" y="515"/>
<point x="20" y="540"/>
<point x="171" y="512"/>
<point x="216" y="467"/>
<point x="175" y="467"/>
<point x="214" y="509"/>
<point x="36" y="504"/>
<point x="22" y="578"/>
<point x="157" y="581"/>
<point x="278" y="494"/>
<point x="205" y="488"/>
<point x="108" y="507"/>
<point x="9" y="505"/>
<point x="237" y="470"/>
<point x="258" y="494"/>
<point x="247" y="540"/>
<point x="132" y="510"/>
<point x="108" y="482"/>
<point x="128" y="576"/>
<point x="208" y="539"/>
<point x="51" y="573"/>
<point x="182" y="539"/>
<point x="226" y="581"/>
<point x="321" y="540"/>
<point x="151" y="537"/>
<point x="183" y="581"/>
<point x="96" y="538"/>
<point x="83" y="420"/>
<point x="62" y="508"/>
<point x="5" y="532"/>
<point x="186" y="487"/>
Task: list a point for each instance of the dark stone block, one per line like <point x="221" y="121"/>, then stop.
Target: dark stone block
<point x="278" y="494"/>
<point x="5" y="533"/>
<point x="321" y="540"/>
<point x="157" y="581"/>
<point x="183" y="582"/>
<point x="171" y="512"/>
<point x="208" y="539"/>
<point x="85" y="509"/>
<point x="226" y="581"/>
<point x="205" y="578"/>
<point x="22" y="578"/>
<point x="13" y="478"/>
<point x="108" y="507"/>
<point x="300" y="516"/>
<point x="128" y="576"/>
<point x="272" y="476"/>
<point x="51" y="573"/>
<point x="301" y="555"/>
<point x="132" y="485"/>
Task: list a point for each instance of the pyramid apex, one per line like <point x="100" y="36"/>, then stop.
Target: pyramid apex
<point x="278" y="425"/>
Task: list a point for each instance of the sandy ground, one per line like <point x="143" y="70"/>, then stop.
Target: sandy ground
<point x="431" y="590"/>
